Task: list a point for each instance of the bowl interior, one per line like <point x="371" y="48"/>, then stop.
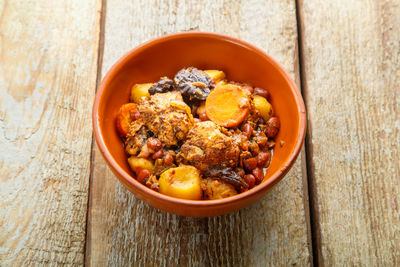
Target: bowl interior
<point x="167" y="56"/>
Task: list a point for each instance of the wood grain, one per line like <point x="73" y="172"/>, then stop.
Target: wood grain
<point x="351" y="71"/>
<point x="48" y="54"/>
<point x="125" y="231"/>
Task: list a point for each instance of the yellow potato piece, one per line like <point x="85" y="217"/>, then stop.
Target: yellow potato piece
<point x="215" y="75"/>
<point x="263" y="107"/>
<point x="181" y="182"/>
<point x="140" y="90"/>
<point x="138" y="164"/>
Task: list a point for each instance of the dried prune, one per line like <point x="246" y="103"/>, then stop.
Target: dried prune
<point x="227" y="175"/>
<point x="194" y="84"/>
<point x="162" y="86"/>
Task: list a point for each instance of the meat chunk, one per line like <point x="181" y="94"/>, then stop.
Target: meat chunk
<point x="194" y="84"/>
<point x="167" y="117"/>
<point x="207" y="146"/>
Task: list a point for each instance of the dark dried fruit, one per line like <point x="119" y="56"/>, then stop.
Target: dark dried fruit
<point x="193" y="84"/>
<point x="162" y="86"/>
<point x="227" y="175"/>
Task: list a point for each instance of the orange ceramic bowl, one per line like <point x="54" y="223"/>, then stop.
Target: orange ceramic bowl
<point x="165" y="56"/>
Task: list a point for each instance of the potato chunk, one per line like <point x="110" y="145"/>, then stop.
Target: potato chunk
<point x="263" y="107"/>
<point x="138" y="164"/>
<point x="181" y="182"/>
<point x="217" y="189"/>
<point x="140" y="90"/>
<point x="215" y="75"/>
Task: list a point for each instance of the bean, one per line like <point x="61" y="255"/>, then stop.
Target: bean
<point x="154" y="144"/>
<point x="143" y="175"/>
<point x="273" y="126"/>
<point x="250" y="164"/>
<point x="262" y="159"/>
<point x="262" y="92"/>
<point x="168" y="159"/>
<point x="158" y="154"/>
<point x="258" y="174"/>
<point x="247" y="129"/>
<point x="203" y="116"/>
<point x="250" y="180"/>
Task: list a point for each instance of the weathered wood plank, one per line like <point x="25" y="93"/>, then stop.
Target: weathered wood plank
<point x="48" y="55"/>
<point x="272" y="232"/>
<point x="351" y="53"/>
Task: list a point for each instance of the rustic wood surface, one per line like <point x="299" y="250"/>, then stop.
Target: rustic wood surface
<point x="272" y="232"/>
<point x="351" y="78"/>
<point x="48" y="56"/>
<point x="52" y="56"/>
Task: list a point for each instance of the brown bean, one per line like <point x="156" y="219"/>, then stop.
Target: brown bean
<point x="250" y="180"/>
<point x="262" y="159"/>
<point x="273" y="126"/>
<point x="203" y="116"/>
<point x="154" y="144"/>
<point x="262" y="92"/>
<point x="168" y="159"/>
<point x="254" y="148"/>
<point x="158" y="154"/>
<point x="258" y="174"/>
<point x="143" y="175"/>
<point x="250" y="164"/>
<point x="247" y="129"/>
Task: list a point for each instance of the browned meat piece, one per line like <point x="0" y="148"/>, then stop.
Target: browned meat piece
<point x="167" y="117"/>
<point x="206" y="146"/>
<point x="217" y="189"/>
<point x="136" y="138"/>
<point x="194" y="84"/>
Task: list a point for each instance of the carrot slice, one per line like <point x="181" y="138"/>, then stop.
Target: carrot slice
<point x="125" y="116"/>
<point x="227" y="105"/>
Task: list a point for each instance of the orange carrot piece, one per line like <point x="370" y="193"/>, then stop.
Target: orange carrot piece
<point x="125" y="116"/>
<point x="227" y="105"/>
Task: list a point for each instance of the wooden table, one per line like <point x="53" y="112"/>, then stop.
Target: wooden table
<point x="338" y="206"/>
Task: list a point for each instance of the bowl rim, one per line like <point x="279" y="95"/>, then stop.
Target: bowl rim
<point x="131" y="182"/>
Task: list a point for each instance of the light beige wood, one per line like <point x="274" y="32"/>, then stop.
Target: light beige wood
<point x="351" y="74"/>
<point x="272" y="232"/>
<point x="48" y="55"/>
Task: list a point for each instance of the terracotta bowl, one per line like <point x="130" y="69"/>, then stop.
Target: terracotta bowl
<point x="165" y="56"/>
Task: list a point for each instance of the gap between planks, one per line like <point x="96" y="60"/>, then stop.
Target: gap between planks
<point x="100" y="52"/>
<point x="313" y="218"/>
